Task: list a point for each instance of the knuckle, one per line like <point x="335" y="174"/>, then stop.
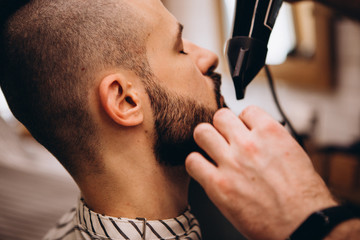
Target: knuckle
<point x="211" y="182"/>
<point x="250" y="147"/>
<point x="225" y="186"/>
<point x="221" y="182"/>
<point x="271" y="127"/>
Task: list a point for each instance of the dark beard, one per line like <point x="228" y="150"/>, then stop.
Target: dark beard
<point x="175" y="120"/>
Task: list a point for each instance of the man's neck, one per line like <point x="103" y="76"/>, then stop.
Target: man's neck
<point x="133" y="190"/>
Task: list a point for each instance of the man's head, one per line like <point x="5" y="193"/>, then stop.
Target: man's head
<point x="80" y="74"/>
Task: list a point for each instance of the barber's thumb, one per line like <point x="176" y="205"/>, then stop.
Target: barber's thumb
<point x="200" y="168"/>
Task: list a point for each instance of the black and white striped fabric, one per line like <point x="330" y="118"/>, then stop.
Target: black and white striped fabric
<point x="82" y="223"/>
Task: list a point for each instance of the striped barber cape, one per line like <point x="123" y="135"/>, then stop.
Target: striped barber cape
<point x="82" y="223"/>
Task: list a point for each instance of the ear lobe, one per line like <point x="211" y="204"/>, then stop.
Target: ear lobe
<point x="120" y="100"/>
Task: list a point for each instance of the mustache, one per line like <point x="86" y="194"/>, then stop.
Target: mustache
<point x="216" y="77"/>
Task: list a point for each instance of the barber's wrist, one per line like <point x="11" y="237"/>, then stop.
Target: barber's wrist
<point x="321" y="223"/>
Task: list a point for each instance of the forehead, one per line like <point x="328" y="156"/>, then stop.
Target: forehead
<point x="158" y="19"/>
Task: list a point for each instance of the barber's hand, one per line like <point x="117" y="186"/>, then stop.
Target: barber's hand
<point x="263" y="181"/>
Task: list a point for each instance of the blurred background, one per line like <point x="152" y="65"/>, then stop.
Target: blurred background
<point x="314" y="56"/>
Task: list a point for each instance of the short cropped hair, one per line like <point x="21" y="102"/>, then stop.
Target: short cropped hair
<point x="52" y="52"/>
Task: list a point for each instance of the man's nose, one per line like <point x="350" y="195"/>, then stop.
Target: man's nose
<point x="205" y="60"/>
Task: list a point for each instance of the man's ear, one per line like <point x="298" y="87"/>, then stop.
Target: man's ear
<point x="120" y="100"/>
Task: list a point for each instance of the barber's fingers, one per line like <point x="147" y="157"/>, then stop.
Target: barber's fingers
<point x="200" y="169"/>
<point x="211" y="141"/>
<point x="254" y="117"/>
<point x="229" y="125"/>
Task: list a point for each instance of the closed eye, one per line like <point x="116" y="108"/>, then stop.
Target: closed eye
<point x="178" y="41"/>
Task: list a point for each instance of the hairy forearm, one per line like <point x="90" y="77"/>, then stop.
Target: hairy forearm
<point x="349" y="230"/>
